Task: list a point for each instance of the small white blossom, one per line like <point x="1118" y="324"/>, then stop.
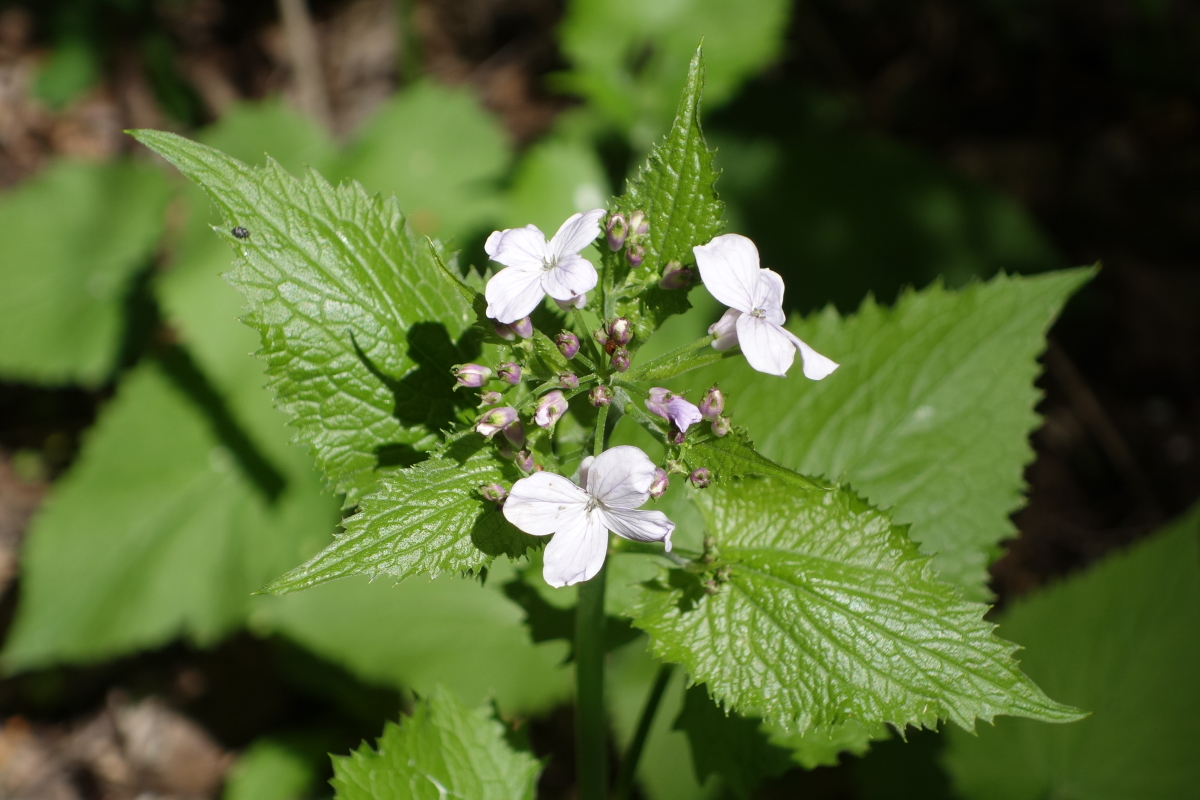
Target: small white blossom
<point x="535" y="267"/>
<point x="729" y="268"/>
<point x="615" y="484"/>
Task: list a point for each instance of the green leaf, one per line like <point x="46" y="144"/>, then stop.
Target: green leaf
<point x="426" y="519"/>
<point x="734" y="456"/>
<point x="628" y="57"/>
<point x="675" y="190"/>
<point x="71" y="238"/>
<point x="358" y="326"/>
<point x="823" y="747"/>
<point x="270" y="770"/>
<point x="819" y="611"/>
<point x="154" y="533"/>
<point x="929" y="413"/>
<point x="1121" y="640"/>
<point x="443" y="750"/>
<point x="440" y="153"/>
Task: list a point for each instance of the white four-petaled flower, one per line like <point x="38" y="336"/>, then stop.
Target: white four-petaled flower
<point x="615" y="484"/>
<point x="729" y="268"/>
<point x="535" y="267"/>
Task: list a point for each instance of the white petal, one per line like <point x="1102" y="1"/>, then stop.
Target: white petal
<point x="517" y="247"/>
<point x="571" y="277"/>
<point x="767" y="347"/>
<point x="513" y="293"/>
<point x="545" y="503"/>
<point x="567" y="305"/>
<point x="576" y="553"/>
<point x="640" y="526"/>
<point x="729" y="268"/>
<point x="725" y="329"/>
<point x="768" y="296"/>
<point x="816" y="366"/>
<point x="584" y="466"/>
<point x="620" y="477"/>
<point x="576" y="233"/>
<point x="492" y="245"/>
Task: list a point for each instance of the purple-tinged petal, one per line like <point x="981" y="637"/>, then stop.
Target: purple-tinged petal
<point x="816" y="366"/>
<point x="682" y="413"/>
<point x="544" y="503"/>
<point x="571" y="277"/>
<point x="513" y="293"/>
<point x="620" y="477"/>
<point x="766" y="347"/>
<point x="768" y="296"/>
<point x="725" y="329"/>
<point x="729" y="268"/>
<point x="577" y="551"/>
<point x="639" y="526"/>
<point x="520" y="247"/>
<point x="576" y="233"/>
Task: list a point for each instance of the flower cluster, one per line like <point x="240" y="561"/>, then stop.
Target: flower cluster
<point x="613" y="486"/>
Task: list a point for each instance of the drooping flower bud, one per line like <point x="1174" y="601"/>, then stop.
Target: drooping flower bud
<point x="700" y="478"/>
<point x="505" y="449"/>
<point x="524" y="461"/>
<point x="568" y="344"/>
<point x="471" y="376"/>
<point x="509" y="372"/>
<point x="635" y="254"/>
<point x="676" y="436"/>
<point x="490" y="399"/>
<point x="505" y="332"/>
<point x="620" y="359"/>
<point x="658" y="487"/>
<point x="656" y="402"/>
<point x="578" y="301"/>
<point x="600" y="396"/>
<point x="523" y="327"/>
<point x="712" y="404"/>
<point x="568" y="380"/>
<point x="676" y="276"/>
<point x="638" y="224"/>
<point x="496" y="420"/>
<point x="725" y="329"/>
<point x="550" y="408"/>
<point x="615" y="231"/>
<point x="620" y="330"/>
<point x="493" y="492"/>
<point x="514" y="432"/>
<point x="722" y="426"/>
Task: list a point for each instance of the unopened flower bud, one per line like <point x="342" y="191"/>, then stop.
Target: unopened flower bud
<point x="721" y="426"/>
<point x="600" y="396"/>
<point x="568" y="380"/>
<point x="635" y="254"/>
<point x="471" y="376"/>
<point x="676" y="276"/>
<point x="514" y="432"/>
<point x="523" y="328"/>
<point x="676" y="436"/>
<point x="657" y="401"/>
<point x="524" y="461"/>
<point x="658" y="487"/>
<point x="638" y="224"/>
<point x="490" y="399"/>
<point x="493" y="492"/>
<point x="616" y="231"/>
<point x="712" y="404"/>
<point x="620" y="330"/>
<point x="509" y="372"/>
<point x="568" y="344"/>
<point x="700" y="478"/>
<point x="620" y="359"/>
<point x="505" y="332"/>
<point x="496" y="420"/>
<point x="578" y="301"/>
<point x="505" y="449"/>
<point x="550" y="408"/>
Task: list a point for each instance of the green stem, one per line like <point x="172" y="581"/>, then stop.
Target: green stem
<point x="645" y="721"/>
<point x="633" y="374"/>
<point x="591" y="728"/>
<point x="601" y="421"/>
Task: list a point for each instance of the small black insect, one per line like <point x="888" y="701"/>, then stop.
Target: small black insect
<point x="241" y="232"/>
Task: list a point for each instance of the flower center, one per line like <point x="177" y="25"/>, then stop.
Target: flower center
<point x="758" y="312"/>
<point x="592" y="503"/>
<point x="549" y="263"/>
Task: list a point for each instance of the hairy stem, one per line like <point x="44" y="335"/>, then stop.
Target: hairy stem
<point x="645" y="721"/>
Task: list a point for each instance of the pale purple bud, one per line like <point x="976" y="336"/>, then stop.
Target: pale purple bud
<point x="550" y="408"/>
<point x="635" y="254"/>
<point x="725" y="329"/>
<point x="600" y="396"/>
<point x="620" y="330"/>
<point x="676" y="436"/>
<point x="616" y="231"/>
<point x="471" y="376"/>
<point x="524" y="461"/>
<point x="523" y="328"/>
<point x="568" y="344"/>
<point x="620" y="359"/>
<point x="493" y="492"/>
<point x="568" y="380"/>
<point x="509" y="372"/>
<point x="638" y="224"/>
<point x="676" y="276"/>
<point x="700" y="478"/>
<point x="721" y="426"/>
<point x="600" y="335"/>
<point x="504" y="331"/>
<point x="514" y="432"/>
<point x="505" y="449"/>
<point x="682" y="414"/>
<point x="658" y="487"/>
<point x="490" y="399"/>
<point x="496" y="420"/>
<point x="657" y="401"/>
<point x="713" y="403"/>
